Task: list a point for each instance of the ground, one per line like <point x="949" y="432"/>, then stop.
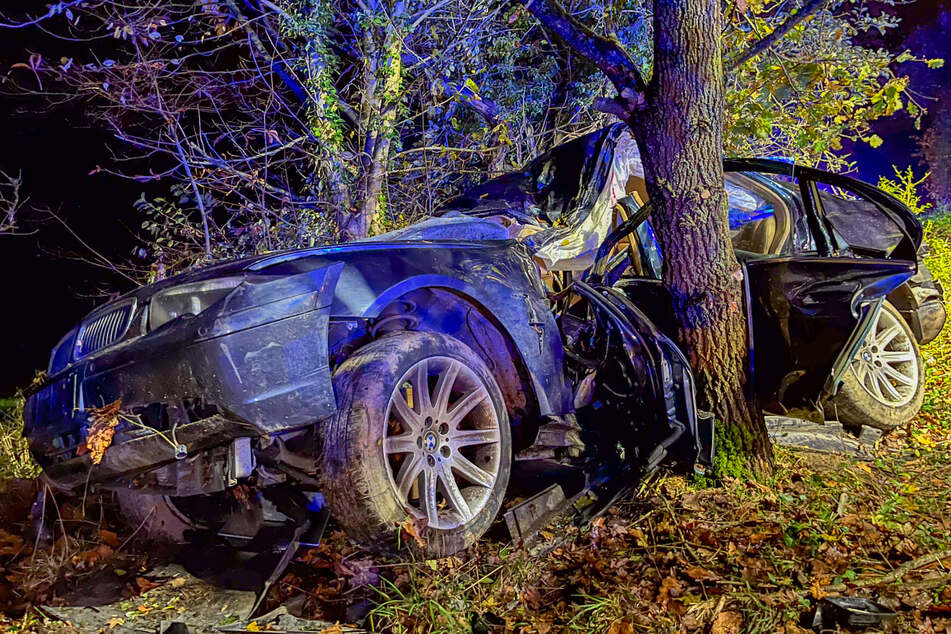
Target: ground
<point x="681" y="554"/>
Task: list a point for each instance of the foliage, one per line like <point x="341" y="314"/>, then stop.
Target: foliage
<point x="905" y="189"/>
<point x="817" y="87"/>
<point x="936" y="411"/>
<point x="294" y="122"/>
<point x="15" y="459"/>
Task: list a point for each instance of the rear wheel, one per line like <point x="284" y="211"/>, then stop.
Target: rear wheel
<point x="884" y="384"/>
<point x="421" y="433"/>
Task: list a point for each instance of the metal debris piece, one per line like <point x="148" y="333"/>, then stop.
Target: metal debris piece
<point x="561" y="434"/>
<point x="829" y="437"/>
<point x="833" y="612"/>
<point x="319" y="522"/>
<point x="526" y="518"/>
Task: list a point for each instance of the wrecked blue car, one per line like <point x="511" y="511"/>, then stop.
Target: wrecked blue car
<point x="526" y="329"/>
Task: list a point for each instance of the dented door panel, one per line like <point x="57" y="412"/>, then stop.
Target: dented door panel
<point x="804" y="312"/>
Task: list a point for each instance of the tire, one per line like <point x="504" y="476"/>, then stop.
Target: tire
<point x="176" y="520"/>
<point x="862" y="398"/>
<point x="384" y="433"/>
<point x="159" y="520"/>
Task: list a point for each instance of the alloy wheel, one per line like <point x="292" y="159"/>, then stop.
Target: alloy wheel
<point x="442" y="442"/>
<point x="886" y="365"/>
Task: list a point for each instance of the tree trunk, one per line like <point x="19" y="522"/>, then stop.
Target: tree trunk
<point x="679" y="132"/>
<point x="382" y="81"/>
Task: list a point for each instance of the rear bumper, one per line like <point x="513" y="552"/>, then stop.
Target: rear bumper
<point x="262" y="380"/>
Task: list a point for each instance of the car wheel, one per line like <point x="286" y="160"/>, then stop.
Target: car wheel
<point x="884" y="385"/>
<point x="422" y="434"/>
<point x="154" y="516"/>
<point x="167" y="519"/>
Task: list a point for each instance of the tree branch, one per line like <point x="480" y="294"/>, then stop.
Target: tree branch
<point x="10" y="201"/>
<point x="763" y="44"/>
<point x="606" y="54"/>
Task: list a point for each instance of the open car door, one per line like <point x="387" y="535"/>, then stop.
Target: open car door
<point x="811" y="306"/>
<point x="811" y="294"/>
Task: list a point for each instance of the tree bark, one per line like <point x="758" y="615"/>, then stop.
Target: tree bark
<point x="382" y="80"/>
<point x="680" y="134"/>
<point x="677" y="119"/>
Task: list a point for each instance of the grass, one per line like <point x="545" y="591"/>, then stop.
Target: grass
<point x="936" y="410"/>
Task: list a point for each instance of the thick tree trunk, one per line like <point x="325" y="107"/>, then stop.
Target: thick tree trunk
<point x="679" y="131"/>
<point x="677" y="120"/>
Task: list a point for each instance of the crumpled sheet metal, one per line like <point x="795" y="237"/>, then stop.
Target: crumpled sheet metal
<point x="561" y="205"/>
<point x="573" y="247"/>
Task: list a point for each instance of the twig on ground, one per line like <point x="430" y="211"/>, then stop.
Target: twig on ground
<point x="135" y="532"/>
<point x="894" y="575"/>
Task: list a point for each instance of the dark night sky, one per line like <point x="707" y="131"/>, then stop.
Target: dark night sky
<point x="44" y="293"/>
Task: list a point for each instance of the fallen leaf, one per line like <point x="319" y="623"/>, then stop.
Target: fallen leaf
<point x="362" y="572"/>
<point x="10" y="544"/>
<point x="727" y="623"/>
<point x="109" y="538"/>
<point x="621" y="627"/>
<point x="104" y="421"/>
<point x="145" y="585"/>
<point x="177" y="582"/>
<point x="700" y="574"/>
<point x="412" y="527"/>
<point x="87" y="559"/>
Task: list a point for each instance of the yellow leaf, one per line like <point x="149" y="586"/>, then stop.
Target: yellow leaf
<point x="104" y="421"/>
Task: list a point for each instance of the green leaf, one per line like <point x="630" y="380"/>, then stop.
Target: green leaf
<point x="875" y="141"/>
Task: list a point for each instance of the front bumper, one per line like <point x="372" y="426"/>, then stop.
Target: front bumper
<point x="257" y="381"/>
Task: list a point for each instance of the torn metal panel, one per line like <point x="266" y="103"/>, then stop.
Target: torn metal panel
<point x="526" y="518"/>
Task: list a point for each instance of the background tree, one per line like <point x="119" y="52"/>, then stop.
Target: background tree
<point x="936" y="150"/>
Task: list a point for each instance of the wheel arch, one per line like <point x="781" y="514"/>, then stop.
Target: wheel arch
<point x="451" y="311"/>
<point x="903" y="298"/>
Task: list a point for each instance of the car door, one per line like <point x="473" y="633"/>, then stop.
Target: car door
<point x="810" y="306"/>
<point x="810" y="295"/>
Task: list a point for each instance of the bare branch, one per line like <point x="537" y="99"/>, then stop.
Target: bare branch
<point x="606" y="54"/>
<point x="10" y="201"/>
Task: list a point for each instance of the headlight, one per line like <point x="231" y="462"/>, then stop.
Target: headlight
<point x="188" y="299"/>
